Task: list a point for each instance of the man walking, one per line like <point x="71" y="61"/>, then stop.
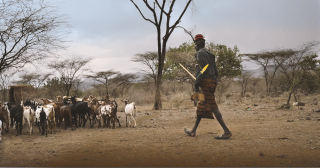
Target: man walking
<point x="208" y="83"/>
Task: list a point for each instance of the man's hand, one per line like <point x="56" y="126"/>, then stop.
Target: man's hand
<point x="196" y="89"/>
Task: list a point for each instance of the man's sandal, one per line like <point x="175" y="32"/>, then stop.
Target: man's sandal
<point x="189" y="133"/>
<point x="224" y="136"/>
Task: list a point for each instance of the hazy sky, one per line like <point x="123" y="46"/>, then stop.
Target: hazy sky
<point x="113" y="31"/>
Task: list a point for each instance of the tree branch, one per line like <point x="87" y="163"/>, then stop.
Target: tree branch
<point x="142" y="14"/>
<point x="178" y="21"/>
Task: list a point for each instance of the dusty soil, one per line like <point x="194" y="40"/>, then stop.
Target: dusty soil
<point x="262" y="136"/>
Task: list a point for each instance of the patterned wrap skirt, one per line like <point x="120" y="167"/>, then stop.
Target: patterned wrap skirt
<point x="205" y="109"/>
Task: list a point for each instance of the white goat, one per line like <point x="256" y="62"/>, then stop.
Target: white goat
<point x="298" y="104"/>
<point x="130" y="111"/>
<point x="29" y="116"/>
<point x="49" y="110"/>
<point x="105" y="113"/>
<point x="5" y="104"/>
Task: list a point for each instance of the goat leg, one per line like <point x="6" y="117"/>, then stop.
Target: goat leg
<point x="118" y="122"/>
<point x="114" y="123"/>
<point x="126" y="121"/>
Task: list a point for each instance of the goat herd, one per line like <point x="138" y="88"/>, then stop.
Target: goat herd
<point x="69" y="110"/>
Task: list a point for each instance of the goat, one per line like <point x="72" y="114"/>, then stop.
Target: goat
<point x="59" y="98"/>
<point x="105" y="114"/>
<point x="37" y="115"/>
<point x="16" y="114"/>
<point x="93" y="111"/>
<point x="82" y="109"/>
<point x="29" y="113"/>
<point x="298" y="104"/>
<point x="4" y="118"/>
<point x="113" y="115"/>
<point x="131" y="111"/>
<point x="29" y="117"/>
<point x="43" y="122"/>
<point x="56" y="106"/>
<point x="65" y="113"/>
<point x="50" y="116"/>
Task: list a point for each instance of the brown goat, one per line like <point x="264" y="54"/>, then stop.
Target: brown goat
<point x="4" y="117"/>
<point x="65" y="114"/>
<point x="93" y="109"/>
<point x="56" y="106"/>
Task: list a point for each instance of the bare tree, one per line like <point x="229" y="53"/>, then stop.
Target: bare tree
<point x="103" y="77"/>
<point x="29" y="31"/>
<point x="69" y="69"/>
<point x="168" y="31"/>
<point x="5" y="80"/>
<point x="255" y="81"/>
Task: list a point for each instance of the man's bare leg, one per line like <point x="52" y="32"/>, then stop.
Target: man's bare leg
<point x="193" y="131"/>
<point x="227" y="134"/>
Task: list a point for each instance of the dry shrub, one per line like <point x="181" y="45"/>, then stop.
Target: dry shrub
<point x="178" y="98"/>
<point x="140" y="97"/>
<point x="228" y="95"/>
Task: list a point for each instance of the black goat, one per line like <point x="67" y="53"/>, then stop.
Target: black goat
<point x="31" y="104"/>
<point x="16" y="115"/>
<point x="81" y="109"/>
<point x="43" y="122"/>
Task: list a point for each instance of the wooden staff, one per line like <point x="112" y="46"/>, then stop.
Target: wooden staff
<point x="188" y="72"/>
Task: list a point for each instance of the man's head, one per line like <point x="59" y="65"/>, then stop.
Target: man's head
<point x="199" y="42"/>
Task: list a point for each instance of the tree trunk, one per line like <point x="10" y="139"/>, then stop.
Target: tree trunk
<point x="68" y="89"/>
<point x="289" y="98"/>
<point x="157" y="103"/>
<point x="295" y="97"/>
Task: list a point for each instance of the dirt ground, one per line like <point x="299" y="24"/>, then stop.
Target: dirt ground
<point x="263" y="136"/>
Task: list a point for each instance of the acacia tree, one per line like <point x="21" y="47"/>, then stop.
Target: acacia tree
<point x="103" y="77"/>
<point x="37" y="80"/>
<point x="157" y="22"/>
<point x="270" y="61"/>
<point x="150" y="59"/>
<point x="299" y="65"/>
<point x="228" y="61"/>
<point x="29" y="31"/>
<point x="69" y="69"/>
<point x="54" y="86"/>
<point x="122" y="82"/>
